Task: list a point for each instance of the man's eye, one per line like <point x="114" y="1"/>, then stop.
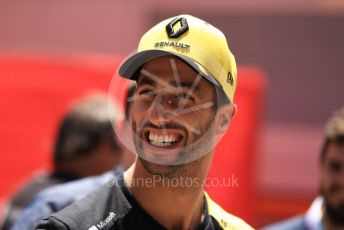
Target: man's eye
<point x="185" y="96"/>
<point x="335" y="167"/>
<point x="145" y="92"/>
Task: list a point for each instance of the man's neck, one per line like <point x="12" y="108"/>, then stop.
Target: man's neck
<point x="172" y="203"/>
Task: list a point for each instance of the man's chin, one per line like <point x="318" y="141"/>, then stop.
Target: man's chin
<point x="162" y="156"/>
<point x="159" y="169"/>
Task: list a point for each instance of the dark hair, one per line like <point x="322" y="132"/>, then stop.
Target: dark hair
<point x="84" y="126"/>
<point x="334" y="132"/>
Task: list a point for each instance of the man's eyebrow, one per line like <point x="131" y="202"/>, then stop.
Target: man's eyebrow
<point x="147" y="81"/>
<point x="184" y="84"/>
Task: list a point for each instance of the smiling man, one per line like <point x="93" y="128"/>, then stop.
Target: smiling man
<point x="182" y="106"/>
<point x="177" y="117"/>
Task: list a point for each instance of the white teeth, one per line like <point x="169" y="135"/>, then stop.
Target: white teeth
<point x="159" y="144"/>
<point x="163" y="140"/>
<point x="156" y="138"/>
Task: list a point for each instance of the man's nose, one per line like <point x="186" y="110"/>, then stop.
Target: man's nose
<point x="161" y="114"/>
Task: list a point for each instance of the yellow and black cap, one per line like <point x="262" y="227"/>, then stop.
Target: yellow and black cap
<point x="195" y="41"/>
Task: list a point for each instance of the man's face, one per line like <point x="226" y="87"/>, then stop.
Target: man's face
<point x="172" y="115"/>
<point x="332" y="182"/>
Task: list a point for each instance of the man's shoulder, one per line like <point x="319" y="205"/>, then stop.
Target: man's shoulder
<point x="226" y="220"/>
<point x="52" y="224"/>
<point x="76" y="189"/>
<point x="106" y="203"/>
<point x="57" y="197"/>
<point x="25" y="196"/>
<point x="40" y="182"/>
<point x="295" y="223"/>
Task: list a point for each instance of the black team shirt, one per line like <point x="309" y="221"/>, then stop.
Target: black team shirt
<point x="111" y="207"/>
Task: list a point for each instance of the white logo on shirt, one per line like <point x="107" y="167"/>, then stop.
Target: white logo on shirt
<point x="103" y="223"/>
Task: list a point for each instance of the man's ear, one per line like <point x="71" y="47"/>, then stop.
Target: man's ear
<point x="223" y="117"/>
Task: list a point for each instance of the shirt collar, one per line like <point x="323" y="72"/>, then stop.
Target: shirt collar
<point x="314" y="215"/>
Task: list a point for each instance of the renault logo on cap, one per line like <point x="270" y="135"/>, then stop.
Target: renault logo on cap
<point x="183" y="27"/>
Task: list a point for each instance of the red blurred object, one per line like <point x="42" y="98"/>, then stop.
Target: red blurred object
<point x="37" y="90"/>
<point x="35" y="93"/>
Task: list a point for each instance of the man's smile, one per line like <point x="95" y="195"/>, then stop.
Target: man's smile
<point x="164" y="138"/>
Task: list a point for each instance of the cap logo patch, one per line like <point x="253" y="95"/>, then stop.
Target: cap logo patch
<point x="178" y="46"/>
<point x="183" y="27"/>
<point x="230" y="78"/>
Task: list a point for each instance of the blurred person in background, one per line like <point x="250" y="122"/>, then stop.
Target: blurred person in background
<point x="327" y="210"/>
<point x="58" y="197"/>
<point x="85" y="146"/>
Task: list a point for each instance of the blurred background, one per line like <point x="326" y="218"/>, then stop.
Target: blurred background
<point x="297" y="46"/>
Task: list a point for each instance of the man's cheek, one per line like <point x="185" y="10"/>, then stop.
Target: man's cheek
<point x="324" y="186"/>
<point x="138" y="113"/>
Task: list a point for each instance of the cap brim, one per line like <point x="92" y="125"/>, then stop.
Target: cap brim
<point x="135" y="62"/>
